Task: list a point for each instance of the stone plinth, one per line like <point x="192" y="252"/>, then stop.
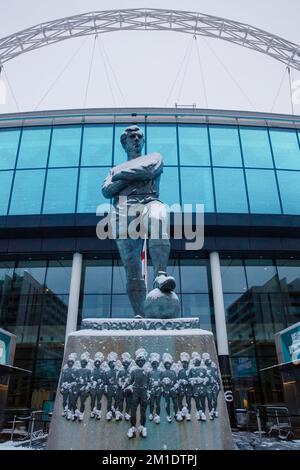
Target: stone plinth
<point x="155" y="336"/>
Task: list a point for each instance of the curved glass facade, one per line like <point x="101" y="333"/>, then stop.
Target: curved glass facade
<point x="232" y="168"/>
<point x="229" y="169"/>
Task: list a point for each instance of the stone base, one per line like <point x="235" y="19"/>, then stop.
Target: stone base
<point x="91" y="434"/>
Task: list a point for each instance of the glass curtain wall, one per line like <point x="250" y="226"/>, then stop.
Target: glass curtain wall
<point x="261" y="298"/>
<point x="103" y="289"/>
<point x="229" y="169"/>
<point x="33" y="306"/>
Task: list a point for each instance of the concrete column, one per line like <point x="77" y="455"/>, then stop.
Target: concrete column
<point x="221" y="330"/>
<point x="74" y="294"/>
<point x="220" y="318"/>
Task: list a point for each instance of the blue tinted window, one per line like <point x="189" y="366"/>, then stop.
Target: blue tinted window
<point x="256" y="147"/>
<point x="119" y="153"/>
<point x="197" y="187"/>
<point x="193" y="145"/>
<point x="230" y="190"/>
<point x="90" y="195"/>
<point x="5" y="186"/>
<point x="97" y="145"/>
<point x="233" y="275"/>
<point x="119" y="278"/>
<point x="65" y="146"/>
<point x="58" y="276"/>
<point x="262" y="275"/>
<point x="289" y="186"/>
<point x="162" y="139"/>
<point x="60" y="191"/>
<point x="36" y="270"/>
<point x="286" y="149"/>
<point x="96" y="306"/>
<point x="169" y="186"/>
<point x="225" y="146"/>
<point x="27" y="192"/>
<point x="197" y="305"/>
<point x="193" y="276"/>
<point x="9" y="141"/>
<point x="121" y="307"/>
<point x="263" y="192"/>
<point x="97" y="277"/>
<point x="34" y="147"/>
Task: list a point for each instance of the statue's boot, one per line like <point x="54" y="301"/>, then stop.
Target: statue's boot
<point x="136" y="291"/>
<point x="164" y="283"/>
<point x="159" y="250"/>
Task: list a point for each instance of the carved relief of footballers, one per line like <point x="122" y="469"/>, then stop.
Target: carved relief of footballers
<point x="198" y="379"/>
<point x="139" y="384"/>
<point x="215" y="388"/>
<point x="124" y="393"/>
<point x="184" y="390"/>
<point x="97" y="386"/>
<point x="111" y="385"/>
<point x="131" y="385"/>
<point x="83" y="383"/>
<point x="67" y="385"/>
<point x="169" y="386"/>
<point x="212" y="386"/>
<point x="155" y="388"/>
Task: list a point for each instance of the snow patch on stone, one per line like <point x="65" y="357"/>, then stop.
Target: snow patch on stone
<point x="186" y="332"/>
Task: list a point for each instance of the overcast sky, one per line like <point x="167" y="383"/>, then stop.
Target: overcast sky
<point x="146" y="63"/>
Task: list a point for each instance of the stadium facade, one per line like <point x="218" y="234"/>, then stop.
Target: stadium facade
<point x="244" y="167"/>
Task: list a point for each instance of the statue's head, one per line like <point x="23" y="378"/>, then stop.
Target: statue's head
<point x="132" y="141"/>
<point x="126" y="360"/>
<point x="140" y="357"/>
<point x="185" y="359"/>
<point x="112" y="358"/>
<point x="71" y="359"/>
<point x="84" y="358"/>
<point x="206" y="359"/>
<point x="98" y="359"/>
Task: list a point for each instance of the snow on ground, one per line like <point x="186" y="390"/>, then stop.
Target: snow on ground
<point x="9" y="445"/>
<point x="244" y="440"/>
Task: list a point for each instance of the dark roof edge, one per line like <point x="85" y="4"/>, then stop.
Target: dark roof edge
<point x="183" y="114"/>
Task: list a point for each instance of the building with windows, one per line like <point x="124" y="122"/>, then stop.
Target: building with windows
<point x="244" y="167"/>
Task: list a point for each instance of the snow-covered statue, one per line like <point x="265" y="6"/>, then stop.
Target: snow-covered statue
<point x="169" y="386"/>
<point x="139" y="384"/>
<point x="184" y="387"/>
<point x="67" y="385"/>
<point x="155" y="388"/>
<point x="124" y="392"/>
<point x="97" y="386"/>
<point x="134" y="188"/>
<point x="111" y="384"/>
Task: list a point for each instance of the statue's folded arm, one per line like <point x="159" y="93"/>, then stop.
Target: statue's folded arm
<point x="141" y="168"/>
<point x="111" y="188"/>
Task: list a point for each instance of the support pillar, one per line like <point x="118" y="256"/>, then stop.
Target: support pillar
<point x="74" y="294"/>
<point x="221" y="330"/>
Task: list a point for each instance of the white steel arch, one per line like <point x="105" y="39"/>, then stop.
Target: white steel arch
<point x="149" y="19"/>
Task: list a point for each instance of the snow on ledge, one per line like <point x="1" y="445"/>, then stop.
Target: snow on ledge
<point x="185" y="332"/>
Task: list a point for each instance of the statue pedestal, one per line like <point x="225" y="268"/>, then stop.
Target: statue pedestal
<point x="127" y="335"/>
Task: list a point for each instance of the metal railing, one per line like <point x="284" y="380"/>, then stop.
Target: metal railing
<point x="267" y="420"/>
<point x="27" y="429"/>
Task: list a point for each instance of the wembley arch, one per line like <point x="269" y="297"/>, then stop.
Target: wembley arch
<point x="140" y="19"/>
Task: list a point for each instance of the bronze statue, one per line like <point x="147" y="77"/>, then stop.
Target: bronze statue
<point x="135" y="183"/>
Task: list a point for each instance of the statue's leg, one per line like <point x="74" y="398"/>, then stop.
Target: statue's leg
<point x="159" y="251"/>
<point x="130" y="252"/>
<point x="155" y="221"/>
